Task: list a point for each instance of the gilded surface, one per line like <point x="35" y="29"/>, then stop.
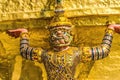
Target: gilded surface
<point x="102" y="10"/>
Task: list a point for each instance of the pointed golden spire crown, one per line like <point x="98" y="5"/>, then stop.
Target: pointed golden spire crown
<point x="59" y="18"/>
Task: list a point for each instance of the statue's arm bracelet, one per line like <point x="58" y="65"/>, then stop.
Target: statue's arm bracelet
<point x="29" y="52"/>
<point x="99" y="52"/>
<point x="103" y="50"/>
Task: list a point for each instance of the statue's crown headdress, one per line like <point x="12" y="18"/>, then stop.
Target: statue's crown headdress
<point x="59" y="18"/>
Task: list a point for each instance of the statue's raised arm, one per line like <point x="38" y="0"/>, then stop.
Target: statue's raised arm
<point x="101" y="51"/>
<point x="25" y="50"/>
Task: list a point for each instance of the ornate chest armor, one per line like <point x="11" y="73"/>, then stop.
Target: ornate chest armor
<point x="61" y="65"/>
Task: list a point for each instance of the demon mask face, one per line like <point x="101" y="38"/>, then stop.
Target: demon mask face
<point x="60" y="36"/>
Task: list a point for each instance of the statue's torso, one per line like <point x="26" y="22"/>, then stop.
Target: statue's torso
<point x="61" y="65"/>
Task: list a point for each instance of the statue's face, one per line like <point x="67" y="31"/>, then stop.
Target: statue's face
<point x="60" y="36"/>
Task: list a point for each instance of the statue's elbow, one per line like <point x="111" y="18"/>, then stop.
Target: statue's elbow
<point x="106" y="51"/>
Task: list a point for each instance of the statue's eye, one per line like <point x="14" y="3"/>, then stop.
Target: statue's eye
<point x="65" y="33"/>
<point x="53" y="38"/>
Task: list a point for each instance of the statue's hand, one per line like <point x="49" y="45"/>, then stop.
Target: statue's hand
<point x="16" y="32"/>
<point x="115" y="27"/>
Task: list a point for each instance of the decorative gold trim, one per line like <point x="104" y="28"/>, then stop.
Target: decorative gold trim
<point x="86" y="54"/>
<point x="24" y="35"/>
<point x="37" y="54"/>
<point x="110" y="31"/>
<point x="60" y="23"/>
